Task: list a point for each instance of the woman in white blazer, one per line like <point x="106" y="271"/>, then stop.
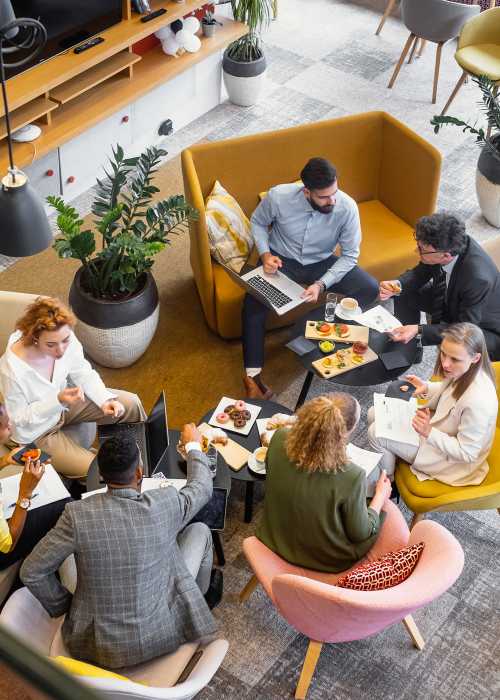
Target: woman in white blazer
<point x="48" y="385"/>
<point x="457" y="426"/>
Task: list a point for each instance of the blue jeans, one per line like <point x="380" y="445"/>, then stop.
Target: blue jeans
<point x="356" y="283"/>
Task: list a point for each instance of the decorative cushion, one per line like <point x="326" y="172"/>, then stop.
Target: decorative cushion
<point x="388" y="571"/>
<point x="81" y="668"/>
<point x="228" y="228"/>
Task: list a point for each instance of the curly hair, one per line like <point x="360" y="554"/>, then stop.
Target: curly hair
<point x="44" y="314"/>
<point x="118" y="458"/>
<point x="318" y="173"/>
<point x="443" y="231"/>
<point x="318" y="439"/>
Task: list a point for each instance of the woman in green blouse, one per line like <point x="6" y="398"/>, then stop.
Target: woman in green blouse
<point x="315" y="510"/>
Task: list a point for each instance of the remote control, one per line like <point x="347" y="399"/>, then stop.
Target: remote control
<point x="152" y="15"/>
<point x="88" y="44"/>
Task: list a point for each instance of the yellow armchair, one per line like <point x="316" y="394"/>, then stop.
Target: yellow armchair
<point x="427" y="496"/>
<point x="478" y="50"/>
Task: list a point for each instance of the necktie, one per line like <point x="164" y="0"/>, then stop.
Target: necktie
<point x="438" y="295"/>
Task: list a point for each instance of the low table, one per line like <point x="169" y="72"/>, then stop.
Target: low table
<point x="250" y="442"/>
<point x="372" y="373"/>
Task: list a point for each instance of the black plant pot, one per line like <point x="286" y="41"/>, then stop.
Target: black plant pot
<point x="115" y="333"/>
<point x="488" y="182"/>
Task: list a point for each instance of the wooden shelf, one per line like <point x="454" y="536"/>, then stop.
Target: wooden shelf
<point x="42" y="78"/>
<point x="93" y="77"/>
<point x="91" y="107"/>
<point x="26" y="114"/>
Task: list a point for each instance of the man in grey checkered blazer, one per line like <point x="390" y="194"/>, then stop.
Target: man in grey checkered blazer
<point x="136" y="596"/>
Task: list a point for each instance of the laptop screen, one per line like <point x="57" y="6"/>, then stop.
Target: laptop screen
<point x="157" y="431"/>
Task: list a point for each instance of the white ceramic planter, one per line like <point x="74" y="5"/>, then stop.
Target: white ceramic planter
<point x="244" y="91"/>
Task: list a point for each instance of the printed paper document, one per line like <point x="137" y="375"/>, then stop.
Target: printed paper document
<point x="393" y="419"/>
<point x="379" y="319"/>
<point x="365" y="459"/>
<point x="49" y="489"/>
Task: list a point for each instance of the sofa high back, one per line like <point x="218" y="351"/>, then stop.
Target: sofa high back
<point x="12" y="306"/>
<point x="388" y="169"/>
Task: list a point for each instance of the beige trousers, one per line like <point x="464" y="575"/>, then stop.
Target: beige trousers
<point x="68" y="457"/>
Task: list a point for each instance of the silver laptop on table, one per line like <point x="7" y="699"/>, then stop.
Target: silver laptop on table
<point x="277" y="291"/>
<point x="151" y="435"/>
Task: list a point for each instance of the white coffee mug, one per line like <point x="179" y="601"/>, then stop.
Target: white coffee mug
<point x="349" y="306"/>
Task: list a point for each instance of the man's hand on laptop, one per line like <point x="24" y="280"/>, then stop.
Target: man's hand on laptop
<point x="113" y="408"/>
<point x="312" y="292"/>
<point x="271" y="263"/>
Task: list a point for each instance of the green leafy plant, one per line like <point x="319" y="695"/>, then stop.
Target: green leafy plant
<point x="256" y="14"/>
<point x="132" y="229"/>
<point x="490" y="105"/>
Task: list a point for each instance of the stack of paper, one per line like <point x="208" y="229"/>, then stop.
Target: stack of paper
<point x="49" y="490"/>
<point x="379" y="319"/>
<point x="393" y="419"/>
<point x="365" y="459"/>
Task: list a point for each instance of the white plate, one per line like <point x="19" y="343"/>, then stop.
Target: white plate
<point x="225" y="401"/>
<point x="347" y="316"/>
<point x="254" y="467"/>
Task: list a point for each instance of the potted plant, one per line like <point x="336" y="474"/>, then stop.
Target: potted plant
<point x="114" y="295"/>
<point x="244" y="62"/>
<point x="208" y="23"/>
<point x="488" y="166"/>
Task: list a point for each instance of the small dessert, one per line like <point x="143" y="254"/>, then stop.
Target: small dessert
<point x="357" y="359"/>
<point x="280" y="420"/>
<point x="341" y="330"/>
<point x="359" y="348"/>
<point x="327" y="362"/>
<point x="246" y="414"/>
<point x="229" y="409"/>
<point x="326" y="346"/>
<point x="32" y="455"/>
<point x="219" y="440"/>
<point x="222" y="417"/>
<point x="404" y="388"/>
<point x="395" y="286"/>
<point x="239" y="422"/>
<point x="240" y="405"/>
<point x="324" y="328"/>
<point x="205" y="443"/>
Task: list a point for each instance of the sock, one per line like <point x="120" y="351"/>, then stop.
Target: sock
<point x="253" y="371"/>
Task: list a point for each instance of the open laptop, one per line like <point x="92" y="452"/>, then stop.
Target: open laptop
<point x="151" y="435"/>
<point x="277" y="291"/>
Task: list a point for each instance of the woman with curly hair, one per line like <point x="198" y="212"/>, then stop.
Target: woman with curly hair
<point x="315" y="510"/>
<point x="48" y="385"/>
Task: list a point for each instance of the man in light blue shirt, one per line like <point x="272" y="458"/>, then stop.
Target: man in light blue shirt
<point x="297" y="228"/>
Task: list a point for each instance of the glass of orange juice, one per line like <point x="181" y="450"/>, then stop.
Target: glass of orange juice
<point x="422" y="401"/>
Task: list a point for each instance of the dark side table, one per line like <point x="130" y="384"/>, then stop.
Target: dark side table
<point x="250" y="442"/>
<point x="370" y="374"/>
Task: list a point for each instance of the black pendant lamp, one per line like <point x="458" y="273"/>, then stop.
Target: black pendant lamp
<point x="24" y="227"/>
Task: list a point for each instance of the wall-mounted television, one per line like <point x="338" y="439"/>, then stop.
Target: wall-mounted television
<point x="68" y="22"/>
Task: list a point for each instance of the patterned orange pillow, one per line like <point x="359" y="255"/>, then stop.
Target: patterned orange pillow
<point x="390" y="570"/>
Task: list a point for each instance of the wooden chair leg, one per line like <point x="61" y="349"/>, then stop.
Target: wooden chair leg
<point x="406" y="48"/>
<point x="413" y="48"/>
<point x="417" y="517"/>
<point x="387" y="12"/>
<point x="436" y="71"/>
<point x="249" y="589"/>
<point x="457" y="87"/>
<point x="423" y="43"/>
<point x="308" y="668"/>
<point x="413" y="631"/>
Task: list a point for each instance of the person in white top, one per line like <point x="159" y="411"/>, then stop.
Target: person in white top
<point x="457" y="426"/>
<point x="48" y="385"/>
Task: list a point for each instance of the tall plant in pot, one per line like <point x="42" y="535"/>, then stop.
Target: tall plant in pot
<point x="114" y="294"/>
<point x="488" y="166"/>
<point x="244" y="63"/>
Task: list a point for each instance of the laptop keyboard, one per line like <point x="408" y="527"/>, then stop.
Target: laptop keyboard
<point x="272" y="293"/>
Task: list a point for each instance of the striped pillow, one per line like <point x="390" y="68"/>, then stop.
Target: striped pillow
<point x="388" y="571"/>
<point x="228" y="228"/>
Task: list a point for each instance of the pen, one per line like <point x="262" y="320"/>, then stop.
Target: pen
<point x="13" y="505"/>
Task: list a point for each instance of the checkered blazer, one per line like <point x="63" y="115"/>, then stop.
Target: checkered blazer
<point x="135" y="599"/>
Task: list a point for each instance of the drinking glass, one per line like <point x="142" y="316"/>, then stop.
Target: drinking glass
<point x="423" y="400"/>
<point x="330" y="306"/>
<point x="212" y="460"/>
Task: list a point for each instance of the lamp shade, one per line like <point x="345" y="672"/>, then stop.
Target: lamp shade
<point x="24" y="227"/>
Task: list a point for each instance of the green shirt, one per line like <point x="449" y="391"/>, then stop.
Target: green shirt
<point x="316" y="520"/>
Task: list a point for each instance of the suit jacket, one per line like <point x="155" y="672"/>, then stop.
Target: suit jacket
<point x="473" y="292"/>
<point x="461" y="434"/>
<point x="135" y="599"/>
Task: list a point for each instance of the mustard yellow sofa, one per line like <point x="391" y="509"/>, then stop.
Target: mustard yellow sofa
<point x="388" y="169"/>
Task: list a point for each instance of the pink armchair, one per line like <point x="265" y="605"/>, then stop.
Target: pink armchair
<point x="312" y="603"/>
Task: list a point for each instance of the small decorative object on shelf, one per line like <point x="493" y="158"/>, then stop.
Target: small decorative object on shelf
<point x="180" y="36"/>
<point x="114" y="295"/>
<point x="488" y="166"/>
<point x="209" y="23"/>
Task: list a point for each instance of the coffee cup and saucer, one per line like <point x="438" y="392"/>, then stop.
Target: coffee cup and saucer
<point x="257" y="461"/>
<point x="348" y="309"/>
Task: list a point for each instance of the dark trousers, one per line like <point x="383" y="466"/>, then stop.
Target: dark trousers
<point x="357" y="283"/>
<point x="407" y="308"/>
<point x="38" y="523"/>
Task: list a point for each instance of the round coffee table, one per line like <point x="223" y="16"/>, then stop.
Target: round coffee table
<point x="372" y="373"/>
<point x="250" y="442"/>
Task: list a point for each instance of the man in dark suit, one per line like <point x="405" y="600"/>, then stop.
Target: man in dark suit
<point x="142" y="571"/>
<point x="456" y="280"/>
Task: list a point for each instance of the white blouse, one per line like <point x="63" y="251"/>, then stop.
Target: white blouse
<point x="31" y="399"/>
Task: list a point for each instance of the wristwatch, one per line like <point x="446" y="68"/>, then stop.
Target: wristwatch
<point x="420" y="331"/>
<point x="321" y="284"/>
<point x="24" y="503"/>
